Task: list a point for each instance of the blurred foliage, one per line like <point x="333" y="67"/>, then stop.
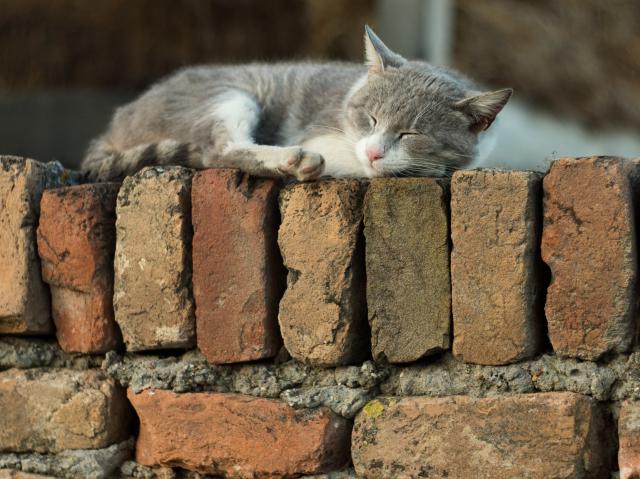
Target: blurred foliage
<point x="579" y="58"/>
<point x="129" y="43"/>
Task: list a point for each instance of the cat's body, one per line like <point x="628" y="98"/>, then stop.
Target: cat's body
<point x="392" y="117"/>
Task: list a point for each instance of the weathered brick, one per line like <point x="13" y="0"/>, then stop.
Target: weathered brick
<point x="588" y="243"/>
<point x="237" y="436"/>
<point x="495" y="266"/>
<point x="322" y="317"/>
<point x="529" y="435"/>
<point x="53" y="410"/>
<point x="238" y="275"/>
<point x="407" y="256"/>
<point x="152" y="296"/>
<point x="629" y="440"/>
<point x="76" y="242"/>
<point x="24" y="298"/>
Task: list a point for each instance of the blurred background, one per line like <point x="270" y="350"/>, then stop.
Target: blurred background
<point x="574" y="64"/>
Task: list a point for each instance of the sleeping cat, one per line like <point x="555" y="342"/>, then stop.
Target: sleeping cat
<point x="390" y="117"/>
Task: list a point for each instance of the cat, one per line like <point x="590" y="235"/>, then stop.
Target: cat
<point x="387" y="117"/>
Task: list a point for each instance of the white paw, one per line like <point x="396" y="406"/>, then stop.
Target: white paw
<point x="302" y="164"/>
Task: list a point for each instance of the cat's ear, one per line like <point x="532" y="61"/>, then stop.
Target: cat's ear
<point x="482" y="108"/>
<point x="378" y="56"/>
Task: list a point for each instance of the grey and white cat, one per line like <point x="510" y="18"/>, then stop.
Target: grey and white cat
<point x="390" y="117"/>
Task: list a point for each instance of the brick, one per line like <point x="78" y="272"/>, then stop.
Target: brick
<point x="629" y="440"/>
<point x="407" y="258"/>
<point x="152" y="290"/>
<point x="24" y="298"/>
<point x="76" y="243"/>
<point x="322" y="317"/>
<point x="238" y="277"/>
<point x="588" y="243"/>
<point x="237" y="436"/>
<point x="495" y="266"/>
<point x="53" y="410"/>
<point x="529" y="435"/>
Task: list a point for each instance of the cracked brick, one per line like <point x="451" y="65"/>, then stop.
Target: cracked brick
<point x="76" y="242"/>
<point x="588" y="242"/>
<point x="322" y="312"/>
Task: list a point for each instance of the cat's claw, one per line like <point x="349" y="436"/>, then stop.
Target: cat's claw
<point x="303" y="165"/>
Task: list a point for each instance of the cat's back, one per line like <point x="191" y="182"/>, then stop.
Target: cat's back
<point x="174" y="106"/>
<point x="264" y="80"/>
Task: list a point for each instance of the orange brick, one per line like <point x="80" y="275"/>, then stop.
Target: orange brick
<point x="322" y="315"/>
<point x="58" y="409"/>
<point x="495" y="266"/>
<point x="238" y="275"/>
<point x="76" y="242"/>
<point x="24" y="298"/>
<point x="237" y="436"/>
<point x="152" y="297"/>
<point x="528" y="435"/>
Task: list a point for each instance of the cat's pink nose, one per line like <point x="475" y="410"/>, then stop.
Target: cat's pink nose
<point x="374" y="153"/>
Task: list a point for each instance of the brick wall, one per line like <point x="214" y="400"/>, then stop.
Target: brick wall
<point x="208" y="324"/>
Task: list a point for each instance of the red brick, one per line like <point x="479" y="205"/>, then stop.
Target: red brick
<point x="629" y="439"/>
<point x="238" y="275"/>
<point x="237" y="436"/>
<point x="528" y="435"/>
<point x="588" y="243"/>
<point x="76" y="242"/>
<point x="322" y="315"/>
<point x="495" y="265"/>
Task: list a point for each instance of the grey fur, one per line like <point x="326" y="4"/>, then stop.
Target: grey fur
<point x="319" y="119"/>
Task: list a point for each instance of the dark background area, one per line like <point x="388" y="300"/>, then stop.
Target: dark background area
<point x="65" y="64"/>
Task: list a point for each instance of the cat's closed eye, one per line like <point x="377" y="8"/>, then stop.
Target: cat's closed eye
<point x="407" y="134"/>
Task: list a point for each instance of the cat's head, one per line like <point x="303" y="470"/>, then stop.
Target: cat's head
<point x="412" y="118"/>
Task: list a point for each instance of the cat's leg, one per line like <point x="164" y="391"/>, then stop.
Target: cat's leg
<point x="235" y="116"/>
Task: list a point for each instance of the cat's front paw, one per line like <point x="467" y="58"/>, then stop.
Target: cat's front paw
<point x="302" y="164"/>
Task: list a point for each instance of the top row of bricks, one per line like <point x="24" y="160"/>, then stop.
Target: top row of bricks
<point x="180" y="260"/>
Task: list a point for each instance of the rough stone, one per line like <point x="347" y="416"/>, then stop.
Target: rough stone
<point x="238" y="275"/>
<point x="23" y="353"/>
<point x="185" y="430"/>
<point x="495" y="266"/>
<point x="450" y="377"/>
<point x="322" y="314"/>
<point x="629" y="440"/>
<point x="16" y="474"/>
<point x="406" y="227"/>
<point x="588" y="243"/>
<point x="76" y="242"/>
<point x="133" y="470"/>
<point x="24" y="298"/>
<point x="343" y="390"/>
<point x="77" y="463"/>
<point x="342" y="400"/>
<point x="60" y="409"/>
<point x="502" y="437"/>
<point x="152" y="295"/>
